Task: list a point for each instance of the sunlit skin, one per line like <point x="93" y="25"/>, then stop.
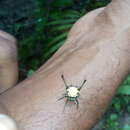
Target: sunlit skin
<point x="72" y="92"/>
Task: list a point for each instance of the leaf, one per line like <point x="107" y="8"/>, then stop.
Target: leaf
<point x="126" y="127"/>
<point x="72" y="16"/>
<point x="17" y="27"/>
<point x="59" y="22"/>
<point x="117" y="106"/>
<point x="53" y="49"/>
<point x="62" y="27"/>
<point x="62" y="3"/>
<point x="128" y="109"/>
<point x="113" y="117"/>
<point x="124" y="90"/>
<point x="128" y="79"/>
<point x="30" y="72"/>
<point x="58" y="38"/>
<point x="73" y="12"/>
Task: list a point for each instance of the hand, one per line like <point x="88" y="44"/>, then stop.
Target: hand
<point x="8" y="61"/>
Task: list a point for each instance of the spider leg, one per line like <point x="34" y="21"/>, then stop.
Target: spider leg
<point x="80" y="97"/>
<point x="64" y="96"/>
<point x="82" y="85"/>
<point x="77" y="103"/>
<point x="65" y="104"/>
<point x="62" y="76"/>
<point x="61" y="98"/>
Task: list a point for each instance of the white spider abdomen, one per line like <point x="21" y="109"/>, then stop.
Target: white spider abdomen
<point x="72" y="92"/>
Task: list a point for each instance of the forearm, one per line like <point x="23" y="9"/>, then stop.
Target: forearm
<point x="103" y="60"/>
<point x="34" y="102"/>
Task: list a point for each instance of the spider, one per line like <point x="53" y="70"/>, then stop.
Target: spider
<point x="72" y="92"/>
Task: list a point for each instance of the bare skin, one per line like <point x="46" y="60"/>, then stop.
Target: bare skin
<point x="97" y="49"/>
<point x="8" y="61"/>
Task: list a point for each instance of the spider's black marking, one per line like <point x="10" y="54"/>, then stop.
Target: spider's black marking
<point x="65" y="104"/>
<point x="68" y="98"/>
<point x="82" y="85"/>
<point x="77" y="103"/>
<point x="62" y="76"/>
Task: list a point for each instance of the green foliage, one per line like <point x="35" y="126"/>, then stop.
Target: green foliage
<point x="62" y="3"/>
<point x="126" y="127"/>
<point x="112" y="123"/>
<point x="125" y="87"/>
<point x="30" y="72"/>
<point x="53" y="19"/>
<point x="120" y="104"/>
<point x="124" y="90"/>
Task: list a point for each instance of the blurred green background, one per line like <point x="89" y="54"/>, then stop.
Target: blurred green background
<point x="41" y="27"/>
